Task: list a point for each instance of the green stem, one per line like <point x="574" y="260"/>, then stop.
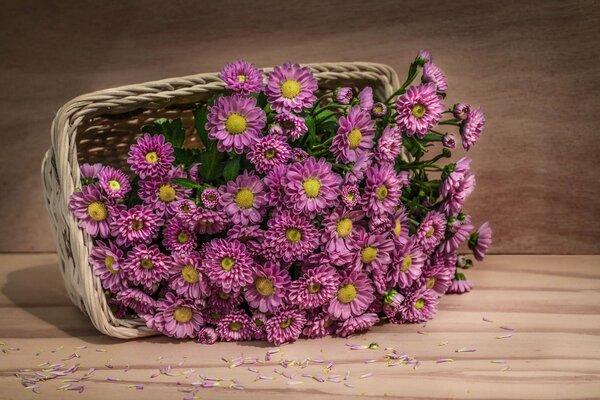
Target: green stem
<point x="412" y="74"/>
<point x="327" y="107"/>
<point x="319" y="100"/>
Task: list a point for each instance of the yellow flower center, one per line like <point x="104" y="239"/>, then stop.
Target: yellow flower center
<point x="97" y="211"/>
<point x="108" y="263"/>
<point x="418" y="110"/>
<point x="235" y="124"/>
<point x="227" y="263"/>
<point x="350" y="196"/>
<point x="347" y="293"/>
<point x="190" y="274"/>
<point x="290" y="88"/>
<point x="146" y="263"/>
<point x="312" y="187"/>
<point x="152" y="157"/>
<point x="258" y="322"/>
<point x="264" y="286"/>
<point x="314" y="287"/>
<point x="182" y="237"/>
<point x="382" y="192"/>
<point x="241" y="78"/>
<point x="235" y="326"/>
<point x="270" y="153"/>
<point x="344" y="227"/>
<point x="430" y="283"/>
<point x="114" y="185"/>
<point x="378" y="109"/>
<point x="293" y="235"/>
<point x="183" y="314"/>
<point x="136" y="225"/>
<point x="430" y="232"/>
<point x="166" y="193"/>
<point x="244" y="198"/>
<point x="354" y="138"/>
<point x="368" y="254"/>
<point x="406" y="264"/>
<point x="327" y="323"/>
<point x="286" y="323"/>
<point x="223" y="296"/>
<point x="397" y="228"/>
<point x="420" y="303"/>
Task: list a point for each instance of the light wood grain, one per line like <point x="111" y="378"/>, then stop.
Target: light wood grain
<point x="552" y="302"/>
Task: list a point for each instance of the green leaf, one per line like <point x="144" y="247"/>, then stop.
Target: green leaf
<point x="172" y="130"/>
<point x="232" y="169"/>
<point x="187" y="183"/>
<point x="432" y="137"/>
<point x="212" y="163"/>
<point x="185" y="157"/>
<point x="261" y="99"/>
<point x="200" y="118"/>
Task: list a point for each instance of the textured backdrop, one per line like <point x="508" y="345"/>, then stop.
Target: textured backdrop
<point x="532" y="65"/>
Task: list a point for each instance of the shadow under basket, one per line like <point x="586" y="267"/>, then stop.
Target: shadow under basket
<point x="100" y="127"/>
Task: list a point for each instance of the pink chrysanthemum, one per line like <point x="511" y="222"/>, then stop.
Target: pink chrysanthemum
<point x="243" y="199"/>
<point x="268" y="152"/>
<point x="291" y="236"/>
<point x="178" y="237"/>
<point x="161" y="194"/>
<point x="269" y="288"/>
<point x="431" y="231"/>
<point x="399" y="224"/>
<point x="293" y="126"/>
<point x="274" y="181"/>
<point x="208" y="222"/>
<point x="151" y="156"/>
<point x="459" y="184"/>
<point x="136" y="300"/>
<point x="432" y="74"/>
<point x="184" y="208"/>
<point x="88" y="173"/>
<point x="350" y="195"/>
<point x="472" y="127"/>
<point x="461" y="111"/>
<point x="340" y="230"/>
<point x="285" y="326"/>
<point x="460" y="284"/>
<point x="407" y="264"/>
<point x="315" y="287"/>
<point x="177" y="317"/>
<point x="449" y="141"/>
<point x="343" y="95"/>
<point x="392" y="301"/>
<point x="113" y="182"/>
<point x="437" y="276"/>
<point x="187" y="278"/>
<point x="259" y="320"/>
<point x="353" y="297"/>
<point x="365" y="98"/>
<point x="228" y="264"/>
<point x="207" y="335"/>
<point x="419" y="306"/>
<point x="235" y="122"/>
<point x="354" y="136"/>
<point x="250" y="235"/>
<point x="146" y="266"/>
<point x="311" y="187"/>
<point x="319" y="325"/>
<point x="106" y="258"/>
<point x="291" y="87"/>
<point x="382" y="190"/>
<point x="138" y="224"/>
<point x="93" y="211"/>
<point x="224" y="301"/>
<point x="234" y="327"/>
<point x="357" y="324"/>
<point x="194" y="172"/>
<point x="299" y="155"/>
<point x="457" y="231"/>
<point x="372" y="251"/>
<point x="480" y="241"/>
<point x="389" y="145"/>
<point x="210" y="197"/>
<point x="242" y="77"/>
<point x="419" y="110"/>
<point x="422" y="57"/>
<point x="379" y="110"/>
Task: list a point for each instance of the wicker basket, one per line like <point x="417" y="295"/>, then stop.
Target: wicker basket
<point x="100" y="127"/>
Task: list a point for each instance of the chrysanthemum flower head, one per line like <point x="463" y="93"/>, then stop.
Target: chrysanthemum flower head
<point x="472" y="127"/>
<point x="480" y="241"/>
<point x="419" y="305"/>
<point x="315" y="287"/>
<point x="228" y="264"/>
<point x="382" y="190"/>
<point x="235" y="326"/>
<point x="353" y="297"/>
<point x="106" y="259"/>
<point x="269" y="288"/>
<point x="113" y="182"/>
<point x="242" y="77"/>
<point x="291" y="236"/>
<point x="285" y="326"/>
<point x="177" y="317"/>
<point x="146" y="266"/>
<point x="94" y="212"/>
<point x="432" y="74"/>
<point x="243" y="200"/>
<point x="138" y="224"/>
<point x="431" y="231"/>
<point x="151" y="156"/>
<point x="419" y="110"/>
<point x="291" y="87"/>
<point x="187" y="278"/>
<point x="354" y="136"/>
<point x="268" y="152"/>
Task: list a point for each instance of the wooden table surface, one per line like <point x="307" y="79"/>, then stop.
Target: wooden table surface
<point x="552" y="303"/>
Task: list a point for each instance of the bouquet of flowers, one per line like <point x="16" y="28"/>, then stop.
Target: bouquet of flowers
<point x="303" y="212"/>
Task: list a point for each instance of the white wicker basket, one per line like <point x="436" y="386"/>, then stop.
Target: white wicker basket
<point x="100" y="127"/>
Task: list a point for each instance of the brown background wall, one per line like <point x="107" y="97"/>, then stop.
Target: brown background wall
<point x="533" y="65"/>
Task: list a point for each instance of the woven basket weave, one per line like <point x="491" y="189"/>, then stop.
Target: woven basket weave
<point x="100" y="127"/>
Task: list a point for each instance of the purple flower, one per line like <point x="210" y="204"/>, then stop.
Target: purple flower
<point x="365" y="98"/>
<point x="299" y="155"/>
<point x="275" y="180"/>
<point x="319" y="324"/>
<point x="235" y="326"/>
<point x="291" y="87"/>
<point x="389" y="145"/>
<point x="461" y="111"/>
<point x="146" y="266"/>
<point x="460" y="284"/>
<point x="208" y="222"/>
<point x="136" y="225"/>
<point x="243" y="200"/>
<point x="250" y="235"/>
<point x="480" y="241"/>
<point x="184" y="208"/>
<point x="457" y="231"/>
<point x="392" y="301"/>
<point x="285" y="326"/>
<point x="419" y="110"/>
<point x="137" y="300"/>
<point x="291" y="236"/>
<point x="106" y="258"/>
<point x="432" y="74"/>
<point x="268" y="152"/>
<point x="315" y="287"/>
<point x="194" y="172"/>
<point x="113" y="182"/>
<point x="354" y="136"/>
<point x="151" y="156"/>
<point x="259" y="320"/>
<point x="269" y="289"/>
<point x="350" y="195"/>
<point x="242" y="77"/>
<point x="343" y="95"/>
<point x="293" y="126"/>
<point x="459" y="184"/>
<point x="472" y="127"/>
<point x="400" y="224"/>
<point x="379" y="110"/>
<point x="178" y="237"/>
<point x="372" y="252"/>
<point x="419" y="306"/>
<point x="224" y="301"/>
<point x="228" y="264"/>
<point x="357" y="324"/>
<point x="88" y="173"/>
<point x="93" y="211"/>
<point x="431" y="231"/>
<point x="353" y="297"/>
<point x="207" y="335"/>
<point x="177" y="317"/>
<point x="339" y="230"/>
<point x="437" y="276"/>
<point x="382" y="190"/>
<point x="235" y="122"/>
<point x="311" y="187"/>
<point x="449" y="141"/>
<point x="422" y="57"/>
<point x="275" y="129"/>
<point x="162" y="194"/>
<point x="210" y="197"/>
<point x="407" y="265"/>
<point x="187" y="278"/>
